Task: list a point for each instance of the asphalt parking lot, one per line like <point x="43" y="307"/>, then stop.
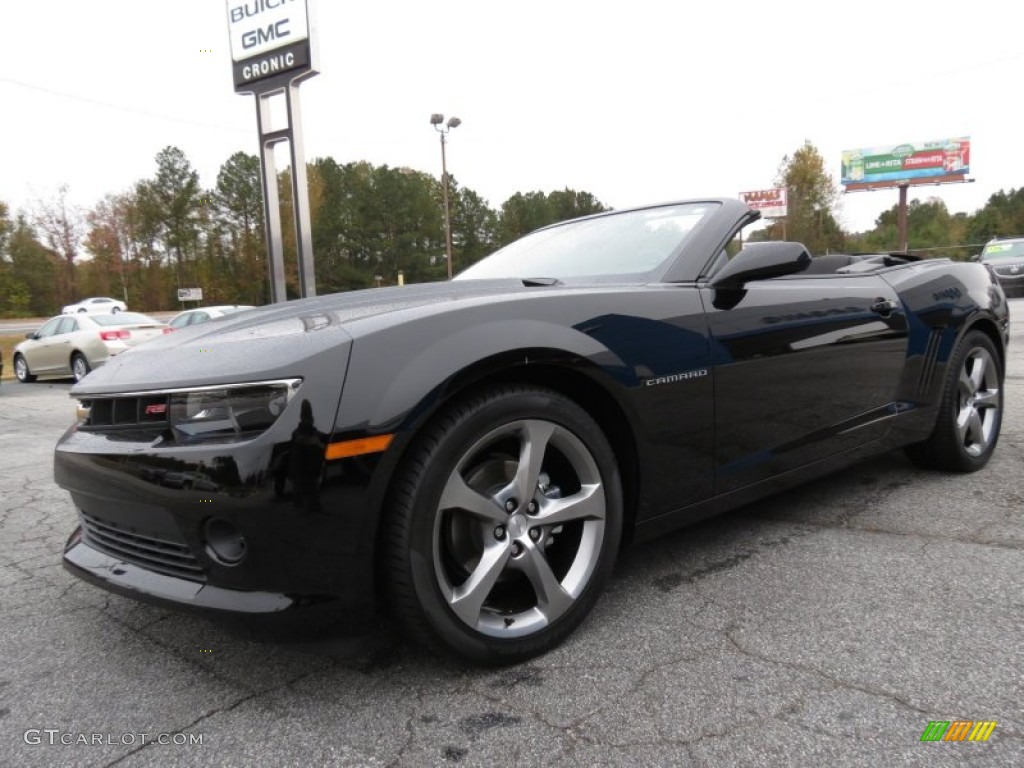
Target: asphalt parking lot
<point x="824" y="627"/>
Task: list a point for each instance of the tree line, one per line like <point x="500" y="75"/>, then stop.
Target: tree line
<point x="368" y="224"/>
<point x="168" y="232"/>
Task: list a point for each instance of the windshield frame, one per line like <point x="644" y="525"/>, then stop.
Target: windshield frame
<point x="682" y="263"/>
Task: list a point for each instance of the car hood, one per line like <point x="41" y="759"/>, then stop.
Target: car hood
<point x="271" y="342"/>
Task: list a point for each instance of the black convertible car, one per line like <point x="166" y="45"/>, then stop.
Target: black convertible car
<point x="473" y="454"/>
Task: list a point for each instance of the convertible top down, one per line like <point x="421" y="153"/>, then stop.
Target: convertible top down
<point x="472" y="454"/>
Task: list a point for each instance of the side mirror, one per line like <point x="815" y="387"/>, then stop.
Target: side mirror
<point x="761" y="262"/>
<point x="31" y="335"/>
<point x="976" y="257"/>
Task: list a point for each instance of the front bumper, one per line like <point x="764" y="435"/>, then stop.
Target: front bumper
<point x="1012" y="285"/>
<point x="144" y="525"/>
<point x="125" y="578"/>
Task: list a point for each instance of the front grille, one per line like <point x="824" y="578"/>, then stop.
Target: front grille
<point x="1015" y="270"/>
<point x="145" y="410"/>
<point x="149" y="552"/>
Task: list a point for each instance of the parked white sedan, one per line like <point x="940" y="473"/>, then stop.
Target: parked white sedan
<point x="76" y="344"/>
<point x="98" y="305"/>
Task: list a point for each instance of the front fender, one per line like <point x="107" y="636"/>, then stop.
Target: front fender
<point x="385" y="392"/>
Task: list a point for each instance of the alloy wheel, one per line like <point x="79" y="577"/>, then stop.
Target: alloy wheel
<point x="519" y="528"/>
<point x="978" y="401"/>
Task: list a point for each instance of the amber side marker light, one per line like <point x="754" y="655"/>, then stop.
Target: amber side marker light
<point x="364" y="445"/>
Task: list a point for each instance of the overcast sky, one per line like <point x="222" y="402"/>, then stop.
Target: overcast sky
<point x="635" y="102"/>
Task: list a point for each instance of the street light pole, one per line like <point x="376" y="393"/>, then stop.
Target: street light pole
<point x="437" y="120"/>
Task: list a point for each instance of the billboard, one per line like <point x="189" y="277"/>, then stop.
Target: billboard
<point x="270" y="40"/>
<point x="925" y="162"/>
<point x="770" y="202"/>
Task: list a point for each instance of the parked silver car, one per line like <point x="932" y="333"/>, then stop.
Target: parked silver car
<point x="202" y="314"/>
<point x="75" y="344"/>
<point x="1006" y="258"/>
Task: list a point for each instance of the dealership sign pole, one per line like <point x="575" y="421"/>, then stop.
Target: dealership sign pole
<point x="944" y="161"/>
<point x="272" y="52"/>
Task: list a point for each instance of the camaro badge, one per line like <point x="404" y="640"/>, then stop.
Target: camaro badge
<point x="677" y="377"/>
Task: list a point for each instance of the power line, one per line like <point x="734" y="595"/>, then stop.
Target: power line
<point x="120" y="107"/>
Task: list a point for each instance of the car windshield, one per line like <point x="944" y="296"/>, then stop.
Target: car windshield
<point x="124" y="318"/>
<point x="629" y="243"/>
<point x="1007" y="250"/>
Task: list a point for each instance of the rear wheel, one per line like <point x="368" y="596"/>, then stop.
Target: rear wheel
<point x="504" y="525"/>
<point x="21" y="370"/>
<point x="114" y="310"/>
<point x="971" y="411"/>
<point x="79" y="366"/>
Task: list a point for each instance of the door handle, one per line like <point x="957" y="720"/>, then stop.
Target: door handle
<point x="884" y="307"/>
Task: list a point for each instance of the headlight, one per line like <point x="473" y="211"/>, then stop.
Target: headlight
<point x="233" y="412"/>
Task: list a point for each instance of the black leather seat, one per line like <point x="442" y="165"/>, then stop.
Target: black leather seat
<point x="828" y="264"/>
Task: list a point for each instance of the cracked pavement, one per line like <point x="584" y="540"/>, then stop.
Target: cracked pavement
<point x="824" y="626"/>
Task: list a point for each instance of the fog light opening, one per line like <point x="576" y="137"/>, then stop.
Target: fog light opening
<point x="223" y="542"/>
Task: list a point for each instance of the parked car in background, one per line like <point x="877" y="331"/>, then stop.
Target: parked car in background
<point x="76" y="344"/>
<point x="1006" y="258"/>
<point x="98" y="305"/>
<point x="202" y="314"/>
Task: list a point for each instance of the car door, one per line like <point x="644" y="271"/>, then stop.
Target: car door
<point x="43" y="354"/>
<point x="805" y="367"/>
<point x="61" y="346"/>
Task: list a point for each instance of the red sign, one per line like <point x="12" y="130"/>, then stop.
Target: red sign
<point x="770" y="202"/>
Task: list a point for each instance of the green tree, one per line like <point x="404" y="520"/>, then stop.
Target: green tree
<point x="239" y="194"/>
<point x="1001" y="216"/>
<point x="171" y="206"/>
<point x="62" y="227"/>
<point x="522" y="214"/>
<point x="474" y="228"/>
<point x="111" y="242"/>
<point x="567" y="204"/>
<point x="334" y="191"/>
<point x="235" y="247"/>
<point x="10" y="295"/>
<point x="813" y="202"/>
<point x="931" y="229"/>
<point x="32" y="289"/>
<point x="5" y="227"/>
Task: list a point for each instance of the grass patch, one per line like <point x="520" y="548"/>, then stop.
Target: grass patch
<point x="7" y="344"/>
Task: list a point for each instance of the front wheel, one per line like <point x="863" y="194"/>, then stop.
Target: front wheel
<point x="504" y="525"/>
<point x="114" y="310"/>
<point x="21" y="370"/>
<point x="971" y="411"/>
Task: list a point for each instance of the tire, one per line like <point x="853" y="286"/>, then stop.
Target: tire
<point x="971" y="410"/>
<point x="114" y="310"/>
<point x="82" y="310"/>
<point x="471" y="504"/>
<point x="79" y="366"/>
<point x="21" y="370"/>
